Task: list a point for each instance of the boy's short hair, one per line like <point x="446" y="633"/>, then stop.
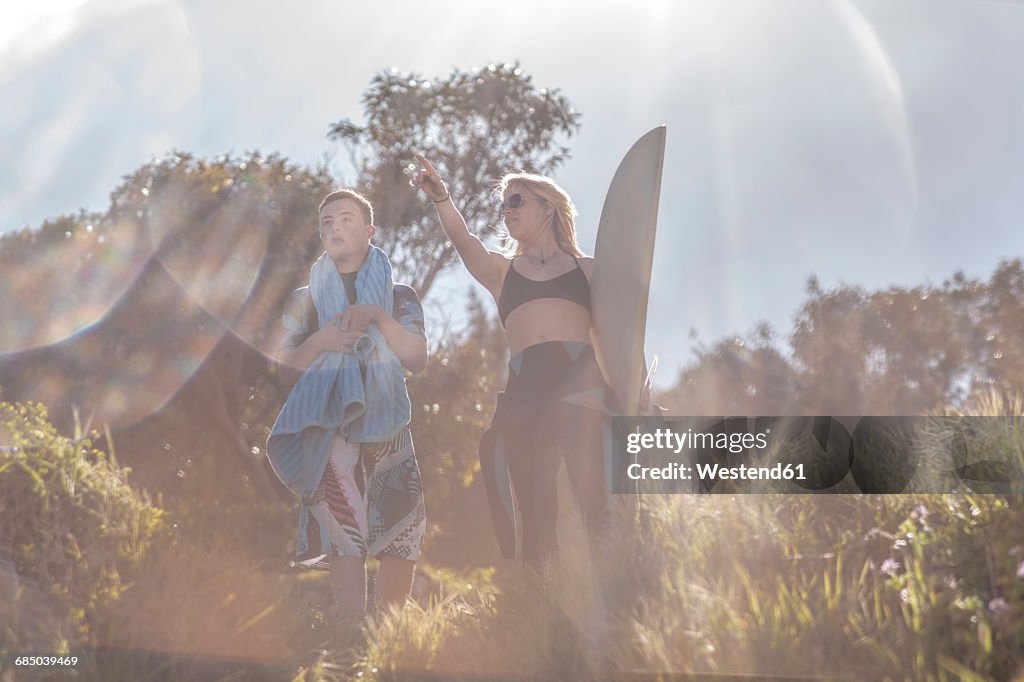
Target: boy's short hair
<point x="364" y="204"/>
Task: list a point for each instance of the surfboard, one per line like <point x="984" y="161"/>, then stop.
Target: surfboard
<point x="623" y="258"/>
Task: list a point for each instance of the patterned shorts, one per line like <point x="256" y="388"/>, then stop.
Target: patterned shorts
<point x="369" y="502"/>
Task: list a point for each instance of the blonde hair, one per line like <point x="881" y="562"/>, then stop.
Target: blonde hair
<point x="563" y="220"/>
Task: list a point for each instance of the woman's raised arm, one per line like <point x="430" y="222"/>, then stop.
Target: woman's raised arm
<point x="485" y="265"/>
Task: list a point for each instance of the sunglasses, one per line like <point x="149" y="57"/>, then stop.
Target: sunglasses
<point x="513" y="201"/>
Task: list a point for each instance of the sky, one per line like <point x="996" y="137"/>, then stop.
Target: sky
<point x="873" y="143"/>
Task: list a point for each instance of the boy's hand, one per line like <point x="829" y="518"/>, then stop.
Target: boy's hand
<point x="348" y="341"/>
<point x="358" y="317"/>
<point x="333" y="339"/>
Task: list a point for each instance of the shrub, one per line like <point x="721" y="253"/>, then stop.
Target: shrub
<point x="69" y="526"/>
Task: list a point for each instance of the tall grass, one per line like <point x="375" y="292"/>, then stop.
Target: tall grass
<point x="889" y="587"/>
<point x="898" y="587"/>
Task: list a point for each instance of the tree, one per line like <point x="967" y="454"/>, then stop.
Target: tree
<point x="735" y="376"/>
<point x="998" y="329"/>
<point x="895" y="351"/>
<point x="474" y="126"/>
<point x="196" y="258"/>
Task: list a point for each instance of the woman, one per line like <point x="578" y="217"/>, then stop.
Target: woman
<point x="553" y="405"/>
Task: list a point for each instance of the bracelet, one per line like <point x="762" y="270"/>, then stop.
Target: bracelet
<point x="446" y="198"/>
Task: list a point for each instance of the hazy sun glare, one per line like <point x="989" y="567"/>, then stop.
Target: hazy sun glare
<point x="27" y="29"/>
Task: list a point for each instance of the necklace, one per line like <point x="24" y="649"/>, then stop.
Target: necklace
<point x="543" y="260"/>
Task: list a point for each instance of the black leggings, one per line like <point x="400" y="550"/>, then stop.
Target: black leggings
<point x="552" y="408"/>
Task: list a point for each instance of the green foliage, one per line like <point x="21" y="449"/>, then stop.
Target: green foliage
<point x="474" y="126"/>
<point x="237" y="233"/>
<point x="412" y="639"/>
<point x="894" y="351"/>
<point x="926" y="587"/>
<point x="191" y="254"/>
<point x="735" y="376"/>
<point x="69" y="526"/>
<point x="893" y="587"/>
<point x="898" y="351"/>
<point x="959" y="593"/>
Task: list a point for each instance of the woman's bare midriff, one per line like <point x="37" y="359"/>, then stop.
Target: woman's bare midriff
<point x="546" y="319"/>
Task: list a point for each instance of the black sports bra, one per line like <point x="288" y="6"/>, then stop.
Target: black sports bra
<point x="517" y="289"/>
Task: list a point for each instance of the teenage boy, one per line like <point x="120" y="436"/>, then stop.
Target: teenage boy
<point x="342" y="441"/>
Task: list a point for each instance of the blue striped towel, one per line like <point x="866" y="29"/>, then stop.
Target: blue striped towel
<point x="333" y="395"/>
